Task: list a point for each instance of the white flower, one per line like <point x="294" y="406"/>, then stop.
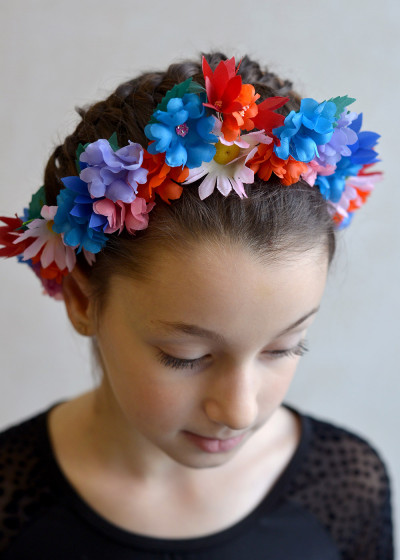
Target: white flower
<point x="228" y="169"/>
<point x="52" y="244"/>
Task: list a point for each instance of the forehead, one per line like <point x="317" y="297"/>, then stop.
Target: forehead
<point x="224" y="289"/>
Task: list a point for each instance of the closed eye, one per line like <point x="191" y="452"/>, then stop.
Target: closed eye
<point x="299" y="350"/>
<point x="177" y="363"/>
<point x="181" y="363"/>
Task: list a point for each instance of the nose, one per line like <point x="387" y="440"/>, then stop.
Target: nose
<point x="232" y="399"/>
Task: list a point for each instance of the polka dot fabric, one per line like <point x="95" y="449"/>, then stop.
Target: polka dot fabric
<point x="332" y="501"/>
<point x="344" y="483"/>
<point x="24" y="490"/>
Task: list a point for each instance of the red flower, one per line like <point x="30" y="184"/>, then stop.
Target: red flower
<point x="241" y="120"/>
<point x="8" y="234"/>
<point x="266" y="119"/>
<point x="222" y="86"/>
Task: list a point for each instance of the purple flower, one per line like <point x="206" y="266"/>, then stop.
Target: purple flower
<point x="338" y="146"/>
<point x="114" y="175"/>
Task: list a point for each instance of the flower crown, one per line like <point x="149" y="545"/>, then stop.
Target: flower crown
<point x="195" y="133"/>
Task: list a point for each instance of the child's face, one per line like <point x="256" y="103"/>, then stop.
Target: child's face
<point x="206" y="348"/>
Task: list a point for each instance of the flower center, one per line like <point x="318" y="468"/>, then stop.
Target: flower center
<point x="50" y="225"/>
<point x="242" y="112"/>
<point x="218" y="105"/>
<point x="225" y="154"/>
<point x="182" y="129"/>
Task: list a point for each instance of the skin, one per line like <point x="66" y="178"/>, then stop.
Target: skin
<point x="136" y="434"/>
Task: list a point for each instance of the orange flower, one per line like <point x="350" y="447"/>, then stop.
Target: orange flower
<point x="294" y="169"/>
<point x="161" y="179"/>
<point x="265" y="162"/>
<point x="241" y="120"/>
<point x="359" y="200"/>
<point x="51" y="272"/>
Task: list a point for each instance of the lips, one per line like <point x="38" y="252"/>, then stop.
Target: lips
<point x="214" y="445"/>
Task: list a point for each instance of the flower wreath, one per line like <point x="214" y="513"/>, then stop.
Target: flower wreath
<point x="194" y="133"/>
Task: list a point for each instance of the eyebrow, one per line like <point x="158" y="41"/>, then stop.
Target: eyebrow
<point x="195" y="330"/>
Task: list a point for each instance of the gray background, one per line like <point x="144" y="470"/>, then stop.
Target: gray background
<point x="56" y="55"/>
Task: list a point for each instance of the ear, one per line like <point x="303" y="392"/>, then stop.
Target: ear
<point x="78" y="303"/>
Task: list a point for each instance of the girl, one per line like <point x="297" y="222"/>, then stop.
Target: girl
<point x="188" y="224"/>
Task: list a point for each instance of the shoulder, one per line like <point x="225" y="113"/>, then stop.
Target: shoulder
<point x="343" y="480"/>
<point x="24" y="480"/>
<point x="351" y="458"/>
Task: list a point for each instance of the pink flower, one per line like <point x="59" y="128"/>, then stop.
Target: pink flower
<point x="314" y="169"/>
<point x="133" y="216"/>
<point x="47" y="241"/>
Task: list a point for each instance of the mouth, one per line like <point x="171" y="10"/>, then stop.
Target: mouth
<point x="214" y="445"/>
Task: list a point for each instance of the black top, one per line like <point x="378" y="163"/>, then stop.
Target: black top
<point x="331" y="502"/>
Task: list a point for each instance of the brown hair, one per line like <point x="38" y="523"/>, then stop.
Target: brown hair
<point x="273" y="219"/>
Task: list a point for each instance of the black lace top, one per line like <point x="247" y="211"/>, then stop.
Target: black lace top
<point x="332" y="502"/>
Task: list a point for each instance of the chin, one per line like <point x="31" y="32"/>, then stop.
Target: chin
<point x="203" y="460"/>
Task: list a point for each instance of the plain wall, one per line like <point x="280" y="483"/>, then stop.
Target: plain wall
<point x="57" y="55"/>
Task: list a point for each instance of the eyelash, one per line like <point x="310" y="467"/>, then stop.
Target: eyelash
<point x="179" y="363"/>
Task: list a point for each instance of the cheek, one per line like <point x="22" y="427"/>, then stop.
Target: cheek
<point x="278" y="382"/>
<point x="153" y="399"/>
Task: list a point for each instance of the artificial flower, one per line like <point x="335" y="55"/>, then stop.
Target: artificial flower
<point x="183" y="132"/>
<point x="83" y="207"/>
<point x="265" y="162"/>
<point x="303" y="131"/>
<point x="338" y="146"/>
<point x="75" y="230"/>
<point x="114" y="175"/>
<point x="362" y="152"/>
<point x="331" y="186"/>
<point x="46" y="242"/>
<point x="356" y="191"/>
<point x="132" y="216"/>
<point x="241" y="120"/>
<point x="228" y="170"/>
<point x="50" y="272"/>
<point x="223" y="86"/>
<point x="266" y="119"/>
<point x="52" y="286"/>
<point x="161" y="179"/>
<point x="8" y="235"/>
<point x="314" y="168"/>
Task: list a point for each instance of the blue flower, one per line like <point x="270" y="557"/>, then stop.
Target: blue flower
<point x="346" y="221"/>
<point x="361" y="151"/>
<point x="303" y="131"/>
<point x="75" y="218"/>
<point x="332" y="186"/>
<point x="183" y="132"/>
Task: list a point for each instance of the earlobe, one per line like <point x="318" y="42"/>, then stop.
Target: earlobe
<point x="78" y="303"/>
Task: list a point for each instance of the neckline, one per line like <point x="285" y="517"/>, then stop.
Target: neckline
<point x="73" y="500"/>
